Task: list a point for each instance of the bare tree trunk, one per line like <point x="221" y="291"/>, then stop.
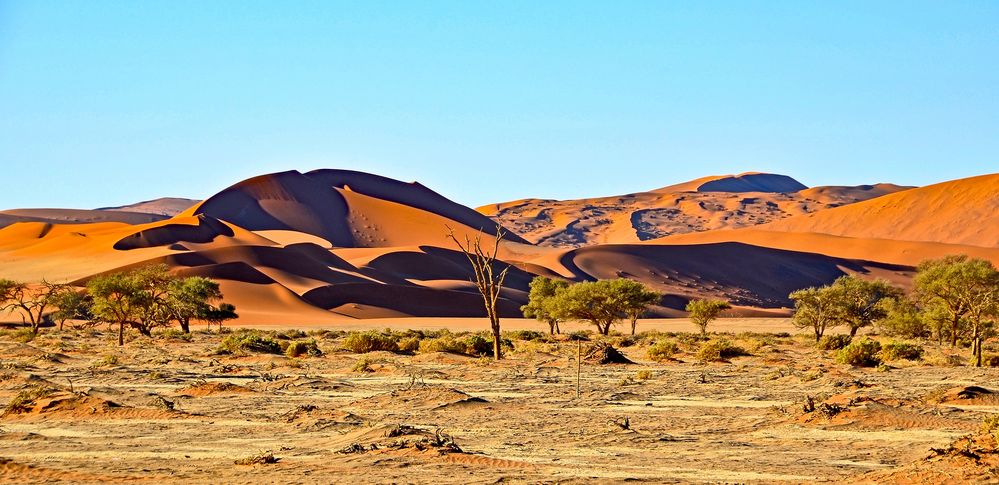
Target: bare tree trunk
<point x="634" y="323"/>
<point x="486" y="280"/>
<point x="121" y="333"/>
<point x="953" y="331"/>
<point x="185" y="325"/>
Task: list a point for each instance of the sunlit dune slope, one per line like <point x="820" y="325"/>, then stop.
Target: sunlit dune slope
<point x="709" y="203"/>
<point x="964" y="212"/>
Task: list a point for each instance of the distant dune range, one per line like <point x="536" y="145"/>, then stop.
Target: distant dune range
<point x="722" y="202"/>
<point x="327" y="245"/>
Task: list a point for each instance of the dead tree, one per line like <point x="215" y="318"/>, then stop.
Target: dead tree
<point x="487" y="279"/>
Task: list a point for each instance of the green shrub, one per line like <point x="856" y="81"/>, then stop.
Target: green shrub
<point x="290" y="335"/>
<point x="444" y="343"/>
<point x="834" y="342"/>
<point x="24" y="335"/>
<point x="364" y="342"/>
<point x="248" y="341"/>
<point x="719" y="350"/>
<point x="901" y="350"/>
<point x="860" y="353"/>
<point x="409" y="344"/>
<point x="478" y="345"/>
<point x="526" y="335"/>
<point x="991" y="425"/>
<point x="363" y="365"/>
<point x="663" y="350"/>
<point x="174" y="334"/>
<point x="992" y="361"/>
<point x="303" y="347"/>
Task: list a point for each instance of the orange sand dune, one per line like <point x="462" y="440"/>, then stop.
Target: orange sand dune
<point x="331" y="245"/>
<point x="164" y="206"/>
<point x="74" y="216"/>
<point x="964" y="211"/>
<point x="884" y="250"/>
<point x="717" y="202"/>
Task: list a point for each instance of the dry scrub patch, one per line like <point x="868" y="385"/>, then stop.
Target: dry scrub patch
<point x="178" y="410"/>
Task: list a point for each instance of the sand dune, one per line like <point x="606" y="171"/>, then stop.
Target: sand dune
<point x="164" y="206"/>
<point x="709" y="203"/>
<point x="330" y="245"/>
<point x="964" y="211"/>
<point x="74" y="216"/>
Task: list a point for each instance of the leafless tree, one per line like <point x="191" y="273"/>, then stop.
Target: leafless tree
<point x="488" y="280"/>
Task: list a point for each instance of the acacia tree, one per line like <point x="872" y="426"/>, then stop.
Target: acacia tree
<point x="117" y="299"/>
<point x="955" y="286"/>
<point x="31" y="301"/>
<point x="150" y="297"/>
<point x="542" y="301"/>
<point x="818" y="308"/>
<point x="861" y="300"/>
<point x="71" y="304"/>
<point x="636" y="299"/>
<point x="488" y="278"/>
<point x="703" y="312"/>
<point x="191" y="298"/>
<point x="593" y="301"/>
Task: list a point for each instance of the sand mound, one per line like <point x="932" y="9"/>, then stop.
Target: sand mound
<point x="212" y="389"/>
<point x="970" y="396"/>
<point x="65" y="405"/>
<point x="423" y="397"/>
<point x="752" y="182"/>
<point x="970" y="459"/>
<point x="13" y="472"/>
<point x="604" y="353"/>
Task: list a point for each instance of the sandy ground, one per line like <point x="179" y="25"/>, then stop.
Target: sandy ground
<point x="183" y="413"/>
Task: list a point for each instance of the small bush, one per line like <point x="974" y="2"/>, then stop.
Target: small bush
<point x="992" y="361"/>
<point x="24" y="335"/>
<point x="25" y="400"/>
<point x="290" y="335"/>
<point x="107" y="361"/>
<point x="860" y="353"/>
<point x="663" y="350"/>
<point x="445" y="343"/>
<point x="248" y="341"/>
<point x="991" y="425"/>
<point x="409" y="344"/>
<point x="834" y="342"/>
<point x="643" y="375"/>
<point x="478" y="345"/>
<point x="719" y="350"/>
<point x="526" y="335"/>
<point x="364" y="342"/>
<point x="901" y="350"/>
<point x="362" y="365"/>
<point x="174" y="334"/>
<point x="303" y="347"/>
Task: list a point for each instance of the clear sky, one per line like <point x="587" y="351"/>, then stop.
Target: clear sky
<point x="104" y="103"/>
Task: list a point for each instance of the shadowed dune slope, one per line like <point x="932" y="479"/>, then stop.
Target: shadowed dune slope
<point x="964" y="211"/>
<point x="322" y="203"/>
<point x="740" y="273"/>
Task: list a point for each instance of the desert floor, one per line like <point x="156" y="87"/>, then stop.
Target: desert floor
<point x="172" y="409"/>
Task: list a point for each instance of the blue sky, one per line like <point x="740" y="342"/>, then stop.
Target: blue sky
<point x="103" y="103"/>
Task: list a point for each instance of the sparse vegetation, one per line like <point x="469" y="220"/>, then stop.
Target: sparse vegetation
<point x="860" y="353"/>
<point x="719" y="350"/>
<point x="901" y="351"/>
<point x="703" y="312"/>
<point x="663" y="350"/>
<point x="245" y="341"/>
<point x="299" y="348"/>
<point x="371" y="341"/>
<point x="834" y="342"/>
